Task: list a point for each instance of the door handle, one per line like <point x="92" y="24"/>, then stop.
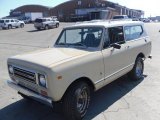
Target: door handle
<point x="145" y="40"/>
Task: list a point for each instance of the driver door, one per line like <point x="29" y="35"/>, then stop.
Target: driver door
<point x="114" y="58"/>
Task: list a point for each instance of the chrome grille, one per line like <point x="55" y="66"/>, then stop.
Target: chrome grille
<point x="24" y="74"/>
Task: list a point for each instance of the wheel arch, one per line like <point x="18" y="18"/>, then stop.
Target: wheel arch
<point x="141" y="55"/>
<point x="81" y="79"/>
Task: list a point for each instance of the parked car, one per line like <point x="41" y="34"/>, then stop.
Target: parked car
<point x="10" y="23"/>
<point x="26" y="20"/>
<point x="85" y="57"/>
<point x="45" y="23"/>
<point x="120" y="17"/>
<point x="146" y="20"/>
<point x="135" y="19"/>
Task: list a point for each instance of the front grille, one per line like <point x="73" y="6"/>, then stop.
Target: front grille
<point x="24" y="74"/>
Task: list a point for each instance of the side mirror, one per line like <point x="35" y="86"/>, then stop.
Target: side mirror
<point x="117" y="46"/>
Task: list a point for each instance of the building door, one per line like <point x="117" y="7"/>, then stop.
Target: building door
<point x="94" y="15"/>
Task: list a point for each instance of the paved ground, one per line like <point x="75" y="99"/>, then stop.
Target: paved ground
<point x="120" y="100"/>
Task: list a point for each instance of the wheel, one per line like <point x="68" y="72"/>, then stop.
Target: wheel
<point x="57" y="25"/>
<point x="46" y="27"/>
<point x="21" y="25"/>
<point x="76" y="101"/>
<point x="9" y="26"/>
<point x="38" y="28"/>
<point x="137" y="72"/>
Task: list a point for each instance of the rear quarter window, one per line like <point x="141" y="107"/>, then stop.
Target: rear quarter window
<point x="133" y="32"/>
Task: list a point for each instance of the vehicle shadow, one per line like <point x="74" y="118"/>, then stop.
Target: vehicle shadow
<point x="109" y="94"/>
<point x="35" y="30"/>
<point x="102" y="99"/>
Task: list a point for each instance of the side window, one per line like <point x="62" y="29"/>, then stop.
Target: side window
<point x="106" y="39"/>
<point x="116" y="35"/>
<point x="12" y="20"/>
<point x="7" y="21"/>
<point x="133" y="32"/>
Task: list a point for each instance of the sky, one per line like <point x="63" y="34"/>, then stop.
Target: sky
<point x="150" y="7"/>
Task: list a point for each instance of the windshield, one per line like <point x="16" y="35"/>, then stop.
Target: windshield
<point x="80" y="37"/>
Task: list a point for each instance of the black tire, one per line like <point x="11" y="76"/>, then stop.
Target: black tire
<point x="74" y="105"/>
<point x="38" y="28"/>
<point x="22" y="25"/>
<point x="137" y="72"/>
<point x="46" y="27"/>
<point x="57" y="25"/>
<point x="9" y="26"/>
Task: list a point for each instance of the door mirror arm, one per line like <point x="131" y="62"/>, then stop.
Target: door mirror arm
<point x="115" y="45"/>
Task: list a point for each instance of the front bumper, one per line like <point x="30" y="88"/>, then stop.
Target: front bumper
<point x="29" y="93"/>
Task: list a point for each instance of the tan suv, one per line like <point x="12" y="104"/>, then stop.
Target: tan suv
<point x="85" y="57"/>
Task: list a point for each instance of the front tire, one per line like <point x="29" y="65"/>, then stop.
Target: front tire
<point x="57" y="25"/>
<point x="76" y="101"/>
<point x="137" y="72"/>
<point x="46" y="27"/>
<point x="22" y="25"/>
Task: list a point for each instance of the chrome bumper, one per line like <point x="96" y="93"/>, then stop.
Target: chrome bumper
<point x="29" y="93"/>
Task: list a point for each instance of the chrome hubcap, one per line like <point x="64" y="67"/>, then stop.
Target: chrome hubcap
<point x="139" y="69"/>
<point x="82" y="99"/>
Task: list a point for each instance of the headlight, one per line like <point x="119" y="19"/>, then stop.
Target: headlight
<point x="10" y="69"/>
<point x="42" y="80"/>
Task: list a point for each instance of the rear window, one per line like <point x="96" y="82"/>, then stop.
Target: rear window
<point x="40" y="20"/>
<point x="1" y="21"/>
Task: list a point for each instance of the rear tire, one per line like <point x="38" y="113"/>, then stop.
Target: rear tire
<point x="76" y="101"/>
<point x="38" y="28"/>
<point x="137" y="72"/>
<point x="46" y="27"/>
<point x="9" y="26"/>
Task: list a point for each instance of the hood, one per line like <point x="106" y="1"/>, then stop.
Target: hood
<point x="50" y="56"/>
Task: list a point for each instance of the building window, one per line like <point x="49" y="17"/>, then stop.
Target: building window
<point x="60" y="13"/>
<point x="79" y="2"/>
<point x="103" y="5"/>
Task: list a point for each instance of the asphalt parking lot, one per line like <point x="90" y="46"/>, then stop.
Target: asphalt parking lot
<point x="120" y="100"/>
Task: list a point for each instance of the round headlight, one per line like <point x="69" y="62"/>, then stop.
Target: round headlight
<point x="42" y="80"/>
<point x="10" y="68"/>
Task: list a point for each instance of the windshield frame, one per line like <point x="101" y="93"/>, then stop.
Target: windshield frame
<point x="80" y="47"/>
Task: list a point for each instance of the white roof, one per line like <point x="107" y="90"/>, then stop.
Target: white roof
<point x="107" y="23"/>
